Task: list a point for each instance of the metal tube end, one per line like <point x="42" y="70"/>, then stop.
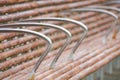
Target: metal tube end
<point x="32" y="76"/>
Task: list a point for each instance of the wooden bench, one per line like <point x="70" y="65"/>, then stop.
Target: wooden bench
<point x="19" y="52"/>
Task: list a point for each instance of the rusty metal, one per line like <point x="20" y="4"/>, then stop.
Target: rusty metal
<point x="79" y="72"/>
<point x="110" y="66"/>
<point x="6" y="2"/>
<point x="83" y="26"/>
<point x="77" y="37"/>
<point x="42" y="11"/>
<point x="48" y="25"/>
<point x="105" y="7"/>
<point x="68" y="66"/>
<point x="109" y="8"/>
<point x="112" y="2"/>
<point x="97" y="25"/>
<point x="93" y="68"/>
<point x="49" y="45"/>
<point x="101" y="11"/>
<point x="26" y="6"/>
<point x="75" y="31"/>
<point x="78" y="17"/>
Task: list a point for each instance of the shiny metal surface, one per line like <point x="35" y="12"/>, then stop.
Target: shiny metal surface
<point x="109" y="8"/>
<point x="49" y="45"/>
<point x="101" y="11"/>
<point x="51" y="26"/>
<point x="80" y="24"/>
<point x="105" y="7"/>
<point x="112" y="2"/>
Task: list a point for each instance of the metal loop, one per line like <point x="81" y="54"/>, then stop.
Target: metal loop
<point x="84" y="27"/>
<point x="49" y="43"/>
<point x="101" y="11"/>
<point x="52" y="26"/>
<point x="108" y="8"/>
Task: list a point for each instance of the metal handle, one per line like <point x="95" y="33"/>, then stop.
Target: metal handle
<point x="49" y="43"/>
<point x="84" y="27"/>
<point x="108" y="8"/>
<point x="101" y="11"/>
<point x="52" y="26"/>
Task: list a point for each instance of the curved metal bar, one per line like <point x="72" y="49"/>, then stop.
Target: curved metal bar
<point x="105" y="7"/>
<point x="112" y="2"/>
<point x="108" y="8"/>
<point x="101" y="11"/>
<point x="84" y="27"/>
<point x="52" y="26"/>
<point x="49" y="43"/>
